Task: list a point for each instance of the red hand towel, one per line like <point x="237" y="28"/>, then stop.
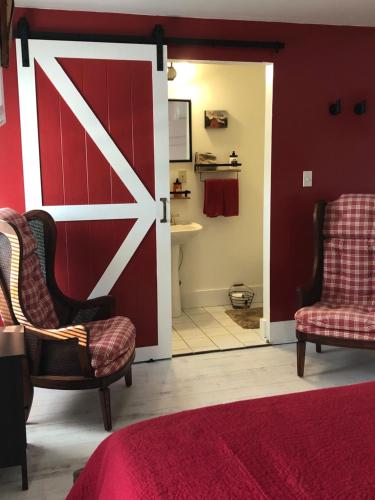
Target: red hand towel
<point x="213" y="198"/>
<point x="230" y="196"/>
<point x="220" y="197"/>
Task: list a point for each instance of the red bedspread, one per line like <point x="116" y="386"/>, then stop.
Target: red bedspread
<point x="312" y="445"/>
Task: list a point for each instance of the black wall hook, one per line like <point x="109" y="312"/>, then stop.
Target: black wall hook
<point x="360" y="107"/>
<point x="335" y="108"/>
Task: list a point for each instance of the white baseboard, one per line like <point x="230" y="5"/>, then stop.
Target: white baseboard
<point x="280" y="332"/>
<point x="143" y="354"/>
<point x="215" y="297"/>
<point x="264" y="326"/>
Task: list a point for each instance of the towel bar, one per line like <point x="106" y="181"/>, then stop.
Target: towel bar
<point x="216" y="168"/>
<point x="231" y="170"/>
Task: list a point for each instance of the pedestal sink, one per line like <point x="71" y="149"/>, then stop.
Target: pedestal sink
<point x="180" y="233"/>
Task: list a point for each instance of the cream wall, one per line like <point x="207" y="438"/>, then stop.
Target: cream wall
<point x="227" y="250"/>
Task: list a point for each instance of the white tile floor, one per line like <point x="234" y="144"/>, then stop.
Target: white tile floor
<point x="204" y="329"/>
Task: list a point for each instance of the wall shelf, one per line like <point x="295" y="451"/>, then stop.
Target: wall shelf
<point x="183" y="195"/>
<point x="212" y="167"/>
<point x="216" y="168"/>
<point x="219" y="170"/>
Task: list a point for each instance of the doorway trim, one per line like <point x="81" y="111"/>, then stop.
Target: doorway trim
<point x="266" y="320"/>
<point x="265" y="324"/>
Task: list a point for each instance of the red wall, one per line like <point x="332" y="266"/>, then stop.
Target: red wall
<point x="318" y="65"/>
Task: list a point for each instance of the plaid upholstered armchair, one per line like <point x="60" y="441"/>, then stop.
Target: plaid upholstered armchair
<point x="70" y="344"/>
<point x="338" y="308"/>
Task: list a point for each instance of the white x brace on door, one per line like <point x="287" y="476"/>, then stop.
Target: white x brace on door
<point x="147" y="209"/>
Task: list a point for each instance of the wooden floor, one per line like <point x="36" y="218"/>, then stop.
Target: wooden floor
<point x="65" y="427"/>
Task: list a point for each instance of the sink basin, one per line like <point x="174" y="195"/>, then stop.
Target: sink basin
<point x="182" y="232"/>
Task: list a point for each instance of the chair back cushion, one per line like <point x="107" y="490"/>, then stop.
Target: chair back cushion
<point x="349" y="251"/>
<point x="35" y="297"/>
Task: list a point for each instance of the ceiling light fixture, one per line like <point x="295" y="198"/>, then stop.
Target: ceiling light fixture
<point x="172" y="73"/>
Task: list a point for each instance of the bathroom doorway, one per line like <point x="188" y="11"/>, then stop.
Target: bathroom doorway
<point x="224" y="250"/>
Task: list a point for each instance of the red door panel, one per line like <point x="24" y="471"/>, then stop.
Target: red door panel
<point x="74" y="172"/>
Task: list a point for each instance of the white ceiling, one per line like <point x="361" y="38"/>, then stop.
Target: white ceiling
<point x="340" y="12"/>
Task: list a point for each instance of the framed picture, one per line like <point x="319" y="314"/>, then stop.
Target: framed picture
<point x="216" y="119"/>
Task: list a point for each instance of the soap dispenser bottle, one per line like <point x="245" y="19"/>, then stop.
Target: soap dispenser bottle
<point x="233" y="159"/>
<point x="177" y="186"/>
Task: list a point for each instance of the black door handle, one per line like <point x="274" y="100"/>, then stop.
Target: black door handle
<point x="164" y="218"/>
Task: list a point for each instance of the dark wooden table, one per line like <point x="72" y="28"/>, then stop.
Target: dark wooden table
<point x="12" y="400"/>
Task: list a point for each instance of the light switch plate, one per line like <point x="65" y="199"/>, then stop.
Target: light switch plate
<point x="307" y="178"/>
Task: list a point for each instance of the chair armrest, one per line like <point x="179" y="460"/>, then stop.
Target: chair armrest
<point x="311" y="293"/>
<point x="77" y="336"/>
<point x="104" y="304"/>
<point x="79" y="310"/>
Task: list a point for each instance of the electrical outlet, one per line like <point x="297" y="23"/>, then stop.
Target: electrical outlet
<point x="182" y="176"/>
<point x="307" y="178"/>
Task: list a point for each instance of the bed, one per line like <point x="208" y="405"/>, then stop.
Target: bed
<point x="312" y="445"/>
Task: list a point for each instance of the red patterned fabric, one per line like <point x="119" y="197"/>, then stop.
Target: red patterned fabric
<point x="347" y="306"/>
<point x="36" y="300"/>
<point x="349" y="248"/>
<point x="349" y="272"/>
<point x="349" y="322"/>
<point x="118" y="363"/>
<point x="350" y="216"/>
<point x="111" y="343"/>
<point x="315" y="445"/>
<point x="19" y="221"/>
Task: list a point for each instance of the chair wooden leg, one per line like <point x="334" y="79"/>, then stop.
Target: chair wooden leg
<point x="318" y="347"/>
<point x="301" y="349"/>
<point x="105" y="401"/>
<point x="29" y="396"/>
<point x="25" y="480"/>
<point x="28" y="390"/>
<point x="129" y="377"/>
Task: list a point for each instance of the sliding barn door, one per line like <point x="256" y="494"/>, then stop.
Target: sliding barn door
<point x="94" y="123"/>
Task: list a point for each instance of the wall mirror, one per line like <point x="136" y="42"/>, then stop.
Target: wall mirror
<point x="179" y="111"/>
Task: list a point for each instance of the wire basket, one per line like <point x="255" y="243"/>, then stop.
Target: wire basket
<point x="241" y="296"/>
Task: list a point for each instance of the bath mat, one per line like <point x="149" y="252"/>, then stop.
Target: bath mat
<point x="246" y="318"/>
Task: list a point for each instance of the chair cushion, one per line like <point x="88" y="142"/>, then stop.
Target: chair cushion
<point x="117" y="364"/>
<point x="349" y="322"/>
<point x="111" y="343"/>
<point x="349" y="272"/>
<point x="350" y="216"/>
<point x="349" y="250"/>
